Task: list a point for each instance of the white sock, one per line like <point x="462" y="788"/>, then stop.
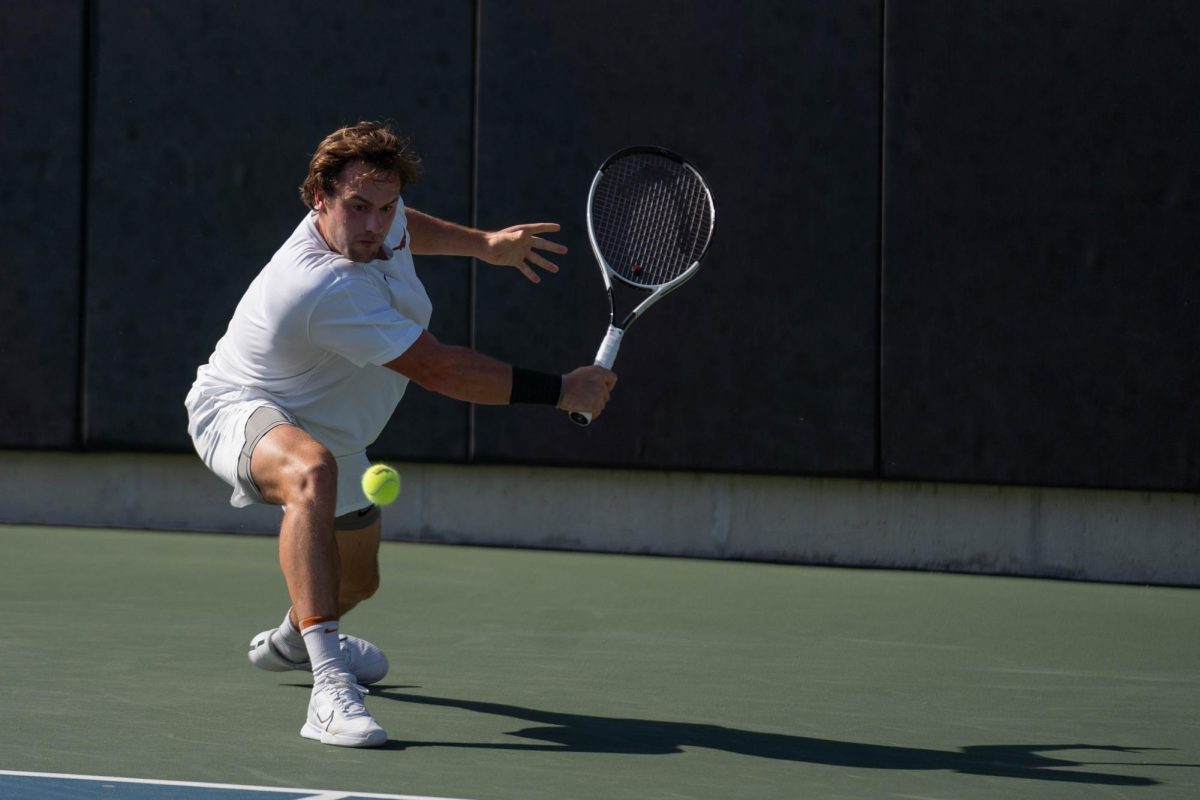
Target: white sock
<point x="324" y="650"/>
<point x="287" y="639"/>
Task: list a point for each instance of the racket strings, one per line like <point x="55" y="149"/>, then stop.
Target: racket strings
<point x="651" y="218"/>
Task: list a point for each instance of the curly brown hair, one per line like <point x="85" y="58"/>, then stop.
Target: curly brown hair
<point x="374" y="143"/>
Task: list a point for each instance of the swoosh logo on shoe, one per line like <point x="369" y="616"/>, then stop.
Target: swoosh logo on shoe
<point x="325" y="722"/>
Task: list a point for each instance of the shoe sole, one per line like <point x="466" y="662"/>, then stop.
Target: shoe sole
<point x="374" y="739"/>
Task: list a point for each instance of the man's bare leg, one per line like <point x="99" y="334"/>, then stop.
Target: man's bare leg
<point x="293" y="470"/>
<point x="358" y="552"/>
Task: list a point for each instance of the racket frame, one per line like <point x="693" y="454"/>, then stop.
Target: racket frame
<point x="606" y="355"/>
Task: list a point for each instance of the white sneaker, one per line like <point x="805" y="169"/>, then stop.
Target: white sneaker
<point x="336" y="714"/>
<point x="366" y="661"/>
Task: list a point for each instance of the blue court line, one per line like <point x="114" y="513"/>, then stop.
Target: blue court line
<point x="59" y="786"/>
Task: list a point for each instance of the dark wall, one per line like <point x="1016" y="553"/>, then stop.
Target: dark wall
<point x="954" y="242"/>
<point x="766" y="360"/>
<point x="41" y="159"/>
<point x="1039" y="265"/>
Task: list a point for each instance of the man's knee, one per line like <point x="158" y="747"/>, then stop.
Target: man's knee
<point x="289" y="467"/>
<point x="312" y="476"/>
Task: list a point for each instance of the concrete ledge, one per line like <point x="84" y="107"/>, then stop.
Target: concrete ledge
<point x="1136" y="537"/>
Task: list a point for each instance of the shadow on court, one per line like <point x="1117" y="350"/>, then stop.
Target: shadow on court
<point x="579" y="733"/>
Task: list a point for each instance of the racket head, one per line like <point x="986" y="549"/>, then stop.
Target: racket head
<point x="650" y="217"/>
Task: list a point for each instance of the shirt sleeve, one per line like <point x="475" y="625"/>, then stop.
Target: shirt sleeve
<point x="355" y="320"/>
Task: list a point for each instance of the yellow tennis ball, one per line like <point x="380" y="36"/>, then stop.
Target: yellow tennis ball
<point x="381" y="484"/>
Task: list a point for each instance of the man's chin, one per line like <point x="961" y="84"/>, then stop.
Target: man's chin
<point x="363" y="255"/>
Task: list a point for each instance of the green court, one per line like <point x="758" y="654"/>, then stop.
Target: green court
<point x="519" y="675"/>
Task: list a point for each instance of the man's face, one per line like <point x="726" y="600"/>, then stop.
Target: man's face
<point x="357" y="215"/>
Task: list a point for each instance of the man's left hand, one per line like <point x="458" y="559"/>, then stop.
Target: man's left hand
<point x="518" y="247"/>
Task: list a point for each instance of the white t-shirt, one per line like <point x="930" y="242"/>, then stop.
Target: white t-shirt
<point x="312" y="333"/>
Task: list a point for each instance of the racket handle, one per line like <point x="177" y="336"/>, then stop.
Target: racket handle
<point x="606" y="356"/>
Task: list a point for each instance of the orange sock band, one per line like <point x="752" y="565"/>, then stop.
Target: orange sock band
<point x="308" y="622"/>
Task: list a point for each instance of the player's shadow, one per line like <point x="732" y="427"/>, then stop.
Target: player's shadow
<point x="581" y="733"/>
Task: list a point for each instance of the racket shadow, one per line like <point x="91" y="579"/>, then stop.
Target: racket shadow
<point x="581" y="733"/>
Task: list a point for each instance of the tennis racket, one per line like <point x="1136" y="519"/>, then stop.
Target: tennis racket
<point x="650" y="218"/>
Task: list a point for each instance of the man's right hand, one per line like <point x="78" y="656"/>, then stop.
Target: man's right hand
<point x="587" y="389"/>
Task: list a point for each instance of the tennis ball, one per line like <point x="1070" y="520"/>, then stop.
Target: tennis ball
<point x="381" y="484"/>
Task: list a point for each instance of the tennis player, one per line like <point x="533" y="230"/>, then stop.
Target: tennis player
<point x="314" y="362"/>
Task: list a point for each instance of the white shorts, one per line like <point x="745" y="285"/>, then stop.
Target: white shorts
<point x="219" y="426"/>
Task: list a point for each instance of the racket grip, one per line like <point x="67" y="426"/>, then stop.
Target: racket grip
<point x="606" y="356"/>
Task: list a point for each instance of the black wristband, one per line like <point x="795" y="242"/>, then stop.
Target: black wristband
<point x="531" y="386"/>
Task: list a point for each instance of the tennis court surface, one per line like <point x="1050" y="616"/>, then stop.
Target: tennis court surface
<point x="524" y="674"/>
